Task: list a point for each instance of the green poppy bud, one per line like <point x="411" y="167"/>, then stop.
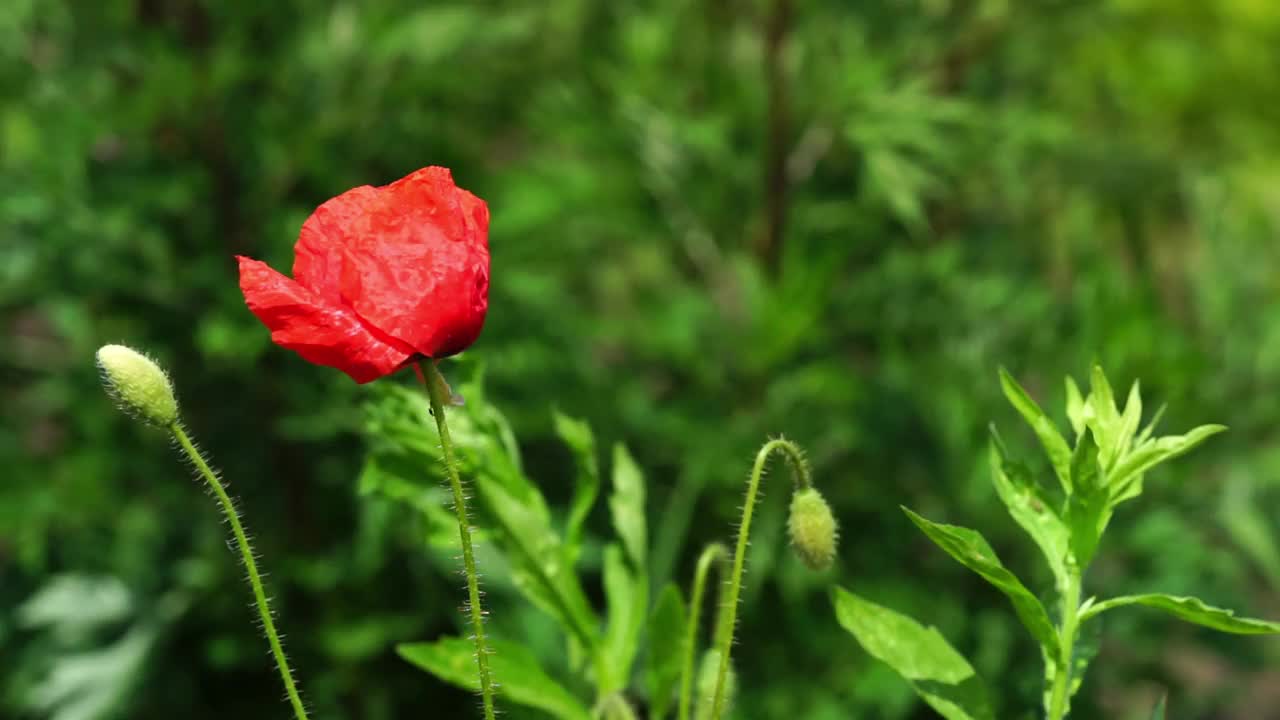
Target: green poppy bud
<point x="708" y="673"/>
<point x="138" y="385"/>
<point x="812" y="528"/>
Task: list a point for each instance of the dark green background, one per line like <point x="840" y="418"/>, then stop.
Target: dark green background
<point x="712" y="220"/>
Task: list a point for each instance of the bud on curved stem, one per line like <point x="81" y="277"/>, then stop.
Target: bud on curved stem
<point x="143" y="390"/>
<point x="813" y="543"/>
<point x="717" y="555"/>
<point x="813" y="529"/>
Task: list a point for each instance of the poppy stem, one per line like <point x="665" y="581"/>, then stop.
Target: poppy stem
<point x="714" y="555"/>
<point x="250" y="565"/>
<point x="729" y="612"/>
<point x="438" y="395"/>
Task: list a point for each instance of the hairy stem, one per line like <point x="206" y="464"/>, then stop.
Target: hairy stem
<point x="717" y="555"/>
<point x="724" y="634"/>
<point x="437" y="394"/>
<point x="251" y="566"/>
<point x="1059" y="698"/>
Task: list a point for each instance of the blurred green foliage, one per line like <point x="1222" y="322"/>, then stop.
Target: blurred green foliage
<point x="712" y="220"/>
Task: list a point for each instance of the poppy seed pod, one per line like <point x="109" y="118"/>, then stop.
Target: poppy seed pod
<point x="138" y="385"/>
<point x="812" y="528"/>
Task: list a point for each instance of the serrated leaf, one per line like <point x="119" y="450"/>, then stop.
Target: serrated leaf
<point x="666" y="645"/>
<point x="921" y="655"/>
<point x="627" y="506"/>
<point x="627" y="598"/>
<point x="520" y="678"/>
<point x="970" y="549"/>
<point x="586" y="486"/>
<point x="1192" y="610"/>
<point x="1153" y="452"/>
<point x="1054" y="445"/>
<point x="1029" y="508"/>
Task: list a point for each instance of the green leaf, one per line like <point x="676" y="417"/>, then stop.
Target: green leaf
<point x="1157" y="712"/>
<point x="1128" y="422"/>
<point x="95" y="683"/>
<point x="627" y="505"/>
<point x="1247" y="523"/>
<point x="1103" y="417"/>
<point x="540" y="567"/>
<point x="666" y="645"/>
<point x="627" y="597"/>
<point x="1151" y="426"/>
<point x="1054" y="445"/>
<point x="1075" y="407"/>
<point x="1029" y="508"/>
<point x="970" y="549"/>
<point x="1192" y="610"/>
<point x="940" y="675"/>
<point x="586" y="487"/>
<point x="1088" y="508"/>
<point x="1153" y="452"/>
<point x="520" y="678"/>
<point x="509" y="504"/>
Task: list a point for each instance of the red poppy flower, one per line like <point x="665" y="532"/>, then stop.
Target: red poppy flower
<point x="381" y="275"/>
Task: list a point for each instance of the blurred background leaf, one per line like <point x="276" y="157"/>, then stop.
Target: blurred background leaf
<point x="713" y="221"/>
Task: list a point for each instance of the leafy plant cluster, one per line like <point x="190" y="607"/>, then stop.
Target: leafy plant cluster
<point x="1105" y="468"/>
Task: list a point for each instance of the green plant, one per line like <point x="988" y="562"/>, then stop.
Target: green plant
<point x="813" y="536"/>
<point x="543" y="559"/>
<point x="144" y="391"/>
<point x="1104" y="468"/>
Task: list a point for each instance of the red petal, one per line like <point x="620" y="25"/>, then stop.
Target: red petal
<point x="416" y="262"/>
<point x="317" y="264"/>
<point x="321" y="332"/>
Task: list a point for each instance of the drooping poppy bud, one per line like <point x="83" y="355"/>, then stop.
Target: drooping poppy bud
<point x="138" y="385"/>
<point x="381" y="275"/>
<point x="812" y="528"/>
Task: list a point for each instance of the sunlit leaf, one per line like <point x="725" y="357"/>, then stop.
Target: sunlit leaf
<point x="627" y="597"/>
<point x="1088" y="508"/>
<point x="1054" y="445"/>
<point x="520" y="678"/>
<point x="586" y="487"/>
<point x="1075" y="407"/>
<point x="1153" y="452"/>
<point x="1192" y="610"/>
<point x="970" y="549"/>
<point x="940" y="675"/>
<point x="1129" y="421"/>
<point x="1029" y="508"/>
<point x="627" y="505"/>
